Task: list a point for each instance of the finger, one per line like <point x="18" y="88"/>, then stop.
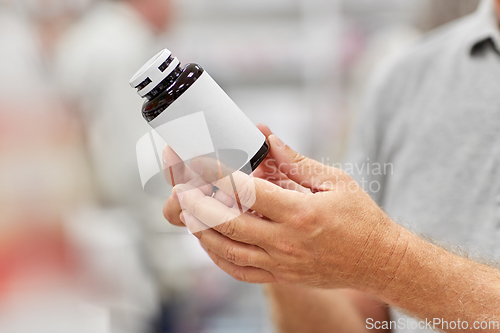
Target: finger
<point x="264" y="129"/>
<point x="304" y="171"/>
<point x="172" y="207"/>
<point x="273" y="201"/>
<point x="227" y="221"/>
<point x="238" y="253"/>
<point x="194" y="225"/>
<point x="171" y="211"/>
<point x="291" y="185"/>
<point x="260" y="195"/>
<point x="240" y="273"/>
<point x="267" y="169"/>
<point x="174" y="168"/>
<point x="225" y="199"/>
<point x="198" y="182"/>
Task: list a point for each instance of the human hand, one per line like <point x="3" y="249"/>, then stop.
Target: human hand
<point x="177" y="172"/>
<point x="332" y="235"/>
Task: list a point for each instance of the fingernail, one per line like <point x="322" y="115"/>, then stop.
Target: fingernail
<point x="197" y="167"/>
<point x="182" y="218"/>
<point x="179" y="188"/>
<point x="277" y="141"/>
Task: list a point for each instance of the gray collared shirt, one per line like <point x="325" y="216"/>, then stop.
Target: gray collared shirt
<point x="433" y="115"/>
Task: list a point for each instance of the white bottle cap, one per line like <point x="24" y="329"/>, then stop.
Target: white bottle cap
<point x="153" y="72"/>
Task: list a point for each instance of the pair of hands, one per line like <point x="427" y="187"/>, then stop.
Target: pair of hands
<point x="306" y="223"/>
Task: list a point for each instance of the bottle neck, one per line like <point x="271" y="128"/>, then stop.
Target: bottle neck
<point x="167" y="82"/>
<point x="188" y="76"/>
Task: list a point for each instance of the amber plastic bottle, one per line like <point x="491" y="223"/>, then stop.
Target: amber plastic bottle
<point x="189" y="110"/>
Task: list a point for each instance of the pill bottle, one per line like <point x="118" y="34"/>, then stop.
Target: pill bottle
<point x="195" y="117"/>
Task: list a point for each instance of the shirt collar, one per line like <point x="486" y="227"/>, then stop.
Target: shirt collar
<point x="484" y="26"/>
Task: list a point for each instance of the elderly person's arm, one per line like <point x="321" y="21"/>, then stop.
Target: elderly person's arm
<point x="332" y="237"/>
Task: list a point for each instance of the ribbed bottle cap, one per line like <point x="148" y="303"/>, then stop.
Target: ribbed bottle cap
<point x="154" y="72"/>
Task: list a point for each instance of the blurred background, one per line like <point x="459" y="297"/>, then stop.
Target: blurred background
<point x="82" y="247"/>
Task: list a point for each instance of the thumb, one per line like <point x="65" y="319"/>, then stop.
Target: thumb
<point x="264" y="129"/>
<point x="303" y="170"/>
